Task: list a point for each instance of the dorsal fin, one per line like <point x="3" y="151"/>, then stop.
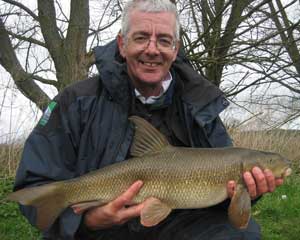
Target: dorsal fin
<point x="147" y="139"/>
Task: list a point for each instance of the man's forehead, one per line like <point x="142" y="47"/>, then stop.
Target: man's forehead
<point x="144" y="21"/>
<point x="156" y="17"/>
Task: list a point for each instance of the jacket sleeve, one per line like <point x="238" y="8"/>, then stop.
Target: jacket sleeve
<point x="210" y="130"/>
<point x="217" y="134"/>
<point x="50" y="154"/>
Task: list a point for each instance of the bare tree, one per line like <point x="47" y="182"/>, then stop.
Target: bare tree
<point x="62" y="38"/>
<point x="239" y="45"/>
<point x="246" y="47"/>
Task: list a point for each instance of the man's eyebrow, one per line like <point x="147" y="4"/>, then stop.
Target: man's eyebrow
<point x="145" y="33"/>
<point x="164" y="35"/>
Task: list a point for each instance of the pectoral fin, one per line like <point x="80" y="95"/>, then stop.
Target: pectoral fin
<point x="240" y="208"/>
<point x="154" y="212"/>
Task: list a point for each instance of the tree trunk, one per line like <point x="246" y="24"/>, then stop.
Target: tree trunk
<point x="69" y="54"/>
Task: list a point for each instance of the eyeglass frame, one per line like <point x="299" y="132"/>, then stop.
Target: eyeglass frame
<point x="148" y="39"/>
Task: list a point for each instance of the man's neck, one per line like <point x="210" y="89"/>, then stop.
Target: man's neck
<point x="150" y="90"/>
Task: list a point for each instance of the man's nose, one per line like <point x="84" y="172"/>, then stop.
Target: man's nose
<point x="152" y="47"/>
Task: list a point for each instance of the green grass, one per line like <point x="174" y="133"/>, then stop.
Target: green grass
<point x="279" y="213"/>
<point x="13" y="226"/>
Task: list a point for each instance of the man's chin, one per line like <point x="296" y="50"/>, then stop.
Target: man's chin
<point x="152" y="79"/>
<point x="150" y="82"/>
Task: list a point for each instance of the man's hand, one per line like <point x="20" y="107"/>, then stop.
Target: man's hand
<point x="258" y="182"/>
<point x="115" y="212"/>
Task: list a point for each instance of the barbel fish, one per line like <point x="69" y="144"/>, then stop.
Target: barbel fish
<point x="179" y="177"/>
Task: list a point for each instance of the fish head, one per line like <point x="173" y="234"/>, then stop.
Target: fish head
<point x="280" y="166"/>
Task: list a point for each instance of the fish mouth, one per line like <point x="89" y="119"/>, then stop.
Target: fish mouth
<point x="287" y="172"/>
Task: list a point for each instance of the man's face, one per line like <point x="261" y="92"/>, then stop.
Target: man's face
<point x="147" y="67"/>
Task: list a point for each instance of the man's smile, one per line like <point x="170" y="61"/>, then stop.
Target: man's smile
<point x="150" y="64"/>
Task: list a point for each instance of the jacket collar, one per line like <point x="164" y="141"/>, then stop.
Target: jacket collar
<point x="113" y="73"/>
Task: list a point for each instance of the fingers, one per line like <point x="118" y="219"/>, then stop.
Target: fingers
<point x="278" y="182"/>
<point x="270" y="179"/>
<point x="259" y="182"/>
<point x="231" y="186"/>
<point x="250" y="183"/>
<point x="115" y="212"/>
<point x="118" y="205"/>
<point x="127" y="196"/>
<point x="131" y="212"/>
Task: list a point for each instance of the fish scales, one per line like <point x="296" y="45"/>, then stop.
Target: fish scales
<point x="195" y="182"/>
<point x="176" y="177"/>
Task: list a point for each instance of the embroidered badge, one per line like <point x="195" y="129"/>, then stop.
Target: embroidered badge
<point x="46" y="115"/>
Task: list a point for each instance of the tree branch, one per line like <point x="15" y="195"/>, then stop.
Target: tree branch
<point x="44" y="80"/>
<point x="78" y="26"/>
<point x="27" y="39"/>
<point x="288" y="41"/>
<point x="23" y="80"/>
<point x="26" y="9"/>
<point x="49" y="29"/>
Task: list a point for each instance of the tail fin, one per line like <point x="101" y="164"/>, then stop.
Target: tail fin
<point x="48" y="199"/>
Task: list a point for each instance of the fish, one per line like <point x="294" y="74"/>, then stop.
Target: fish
<point x="175" y="177"/>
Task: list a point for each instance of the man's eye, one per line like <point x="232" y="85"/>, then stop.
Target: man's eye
<point x="140" y="39"/>
<point x="165" y="42"/>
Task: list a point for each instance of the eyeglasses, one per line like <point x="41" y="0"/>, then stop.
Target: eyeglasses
<point x="163" y="44"/>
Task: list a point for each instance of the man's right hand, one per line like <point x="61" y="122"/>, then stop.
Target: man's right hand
<point x="115" y="212"/>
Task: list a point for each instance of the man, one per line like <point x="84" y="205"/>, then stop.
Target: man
<point x="86" y="127"/>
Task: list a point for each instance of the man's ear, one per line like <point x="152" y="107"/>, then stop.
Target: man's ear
<point x="121" y="45"/>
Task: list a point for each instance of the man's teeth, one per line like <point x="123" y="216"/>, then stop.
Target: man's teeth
<point x="150" y="64"/>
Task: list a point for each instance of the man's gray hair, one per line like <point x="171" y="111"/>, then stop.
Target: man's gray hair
<point x="150" y="6"/>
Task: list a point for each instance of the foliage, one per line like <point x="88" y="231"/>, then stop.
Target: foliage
<point x="12" y="224"/>
<point x="9" y="158"/>
<point x="278" y="213"/>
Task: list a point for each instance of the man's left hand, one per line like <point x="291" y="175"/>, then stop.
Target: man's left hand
<point x="258" y="182"/>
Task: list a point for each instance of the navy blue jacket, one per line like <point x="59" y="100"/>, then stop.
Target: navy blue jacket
<point x="86" y="127"/>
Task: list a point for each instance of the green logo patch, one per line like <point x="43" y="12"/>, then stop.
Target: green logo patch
<point x="46" y="115"/>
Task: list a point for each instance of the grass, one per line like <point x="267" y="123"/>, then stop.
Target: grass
<point x="13" y="226"/>
<point x="277" y="213"/>
<point x="9" y="156"/>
